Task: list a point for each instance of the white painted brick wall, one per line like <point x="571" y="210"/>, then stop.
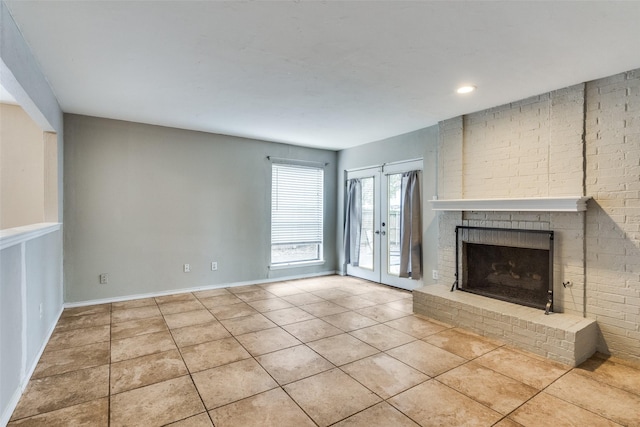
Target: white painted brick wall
<point x="613" y="218"/>
<point x="449" y="154"/>
<point x="447" y="222"/>
<point x="566" y="159"/>
<point x="534" y="148"/>
<point x="506" y="152"/>
<point x="529" y="148"/>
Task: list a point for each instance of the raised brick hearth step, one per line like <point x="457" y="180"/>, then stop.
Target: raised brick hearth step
<point x="565" y="338"/>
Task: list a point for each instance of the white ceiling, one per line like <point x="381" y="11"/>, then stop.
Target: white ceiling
<point x="325" y="74"/>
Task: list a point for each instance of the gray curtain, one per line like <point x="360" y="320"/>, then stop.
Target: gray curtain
<point x="353" y="222"/>
<point x="410" y="227"/>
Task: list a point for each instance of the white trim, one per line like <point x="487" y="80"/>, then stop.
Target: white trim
<point x="42" y="347"/>
<point x="14" y="236"/>
<point x="194" y="289"/>
<point x="11" y="406"/>
<point x="532" y="204"/>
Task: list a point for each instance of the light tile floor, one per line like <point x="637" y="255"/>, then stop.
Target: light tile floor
<point x="323" y="351"/>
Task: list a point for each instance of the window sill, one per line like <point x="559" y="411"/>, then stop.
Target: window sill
<point x="295" y="265"/>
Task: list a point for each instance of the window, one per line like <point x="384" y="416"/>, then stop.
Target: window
<point x="296" y="214"/>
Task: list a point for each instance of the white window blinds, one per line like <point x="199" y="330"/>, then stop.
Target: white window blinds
<point x="296" y="213"/>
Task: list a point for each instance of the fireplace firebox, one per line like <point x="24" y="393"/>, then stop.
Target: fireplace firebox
<point x="513" y="265"/>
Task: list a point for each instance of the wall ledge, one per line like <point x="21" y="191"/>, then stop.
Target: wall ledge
<point x="530" y="204"/>
<point x="15" y="236"/>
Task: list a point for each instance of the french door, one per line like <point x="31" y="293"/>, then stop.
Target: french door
<point x="379" y="249"/>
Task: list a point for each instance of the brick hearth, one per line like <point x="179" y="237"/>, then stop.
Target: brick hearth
<point x="562" y="337"/>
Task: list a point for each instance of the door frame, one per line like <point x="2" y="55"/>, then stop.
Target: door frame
<point x="375" y="173"/>
<point x="380" y="273"/>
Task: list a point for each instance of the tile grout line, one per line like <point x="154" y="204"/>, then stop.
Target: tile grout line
<point x="575" y="404"/>
<point x="186" y="367"/>
<point x="281" y="328"/>
<point x="305" y="344"/>
<point x="279" y="386"/>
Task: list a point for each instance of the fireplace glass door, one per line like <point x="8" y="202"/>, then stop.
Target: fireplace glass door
<point x="508" y="264"/>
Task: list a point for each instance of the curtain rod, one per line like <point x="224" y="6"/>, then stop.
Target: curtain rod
<point x="296" y="161"/>
<point x="384" y="164"/>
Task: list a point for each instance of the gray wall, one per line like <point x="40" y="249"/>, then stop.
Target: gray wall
<point x="23" y="332"/>
<point x="142" y="200"/>
<point x="422" y="143"/>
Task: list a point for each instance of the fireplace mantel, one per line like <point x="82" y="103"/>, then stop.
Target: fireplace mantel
<point x="531" y="204"/>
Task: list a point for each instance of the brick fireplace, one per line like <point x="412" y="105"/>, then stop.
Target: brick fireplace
<point x="579" y="140"/>
<point x="553" y="229"/>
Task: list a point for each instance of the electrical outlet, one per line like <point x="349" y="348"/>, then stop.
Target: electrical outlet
<point x="104" y="278"/>
<point x="435" y="275"/>
<point x="187" y="268"/>
<point x="214" y="266"/>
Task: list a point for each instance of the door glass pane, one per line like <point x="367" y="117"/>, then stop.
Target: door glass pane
<point x="393" y="224"/>
<point x="367" y="242"/>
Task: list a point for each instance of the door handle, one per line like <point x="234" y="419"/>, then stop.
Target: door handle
<point x="383" y="233"/>
<point x="377" y="231"/>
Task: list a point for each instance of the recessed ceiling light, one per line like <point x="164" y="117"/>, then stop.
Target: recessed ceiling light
<point x="466" y="89"/>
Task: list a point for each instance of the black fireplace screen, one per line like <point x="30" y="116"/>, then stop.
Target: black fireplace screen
<point x="508" y="264"/>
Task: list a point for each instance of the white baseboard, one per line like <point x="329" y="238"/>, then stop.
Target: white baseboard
<point x="11" y="406"/>
<point x="42" y="347"/>
<point x="195" y="289"/>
